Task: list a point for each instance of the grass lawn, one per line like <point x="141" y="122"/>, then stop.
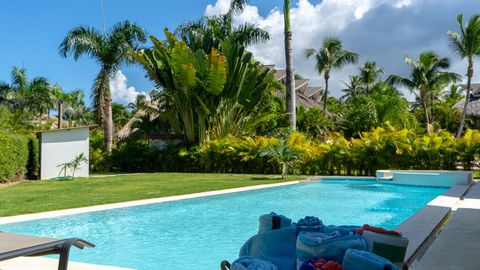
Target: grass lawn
<point x="47" y="195"/>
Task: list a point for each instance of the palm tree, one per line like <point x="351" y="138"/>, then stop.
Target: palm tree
<point x="352" y="88"/>
<point x="110" y="50"/>
<point x="291" y="102"/>
<point x="39" y="97"/>
<point x="36" y="96"/>
<point x="369" y="74"/>
<point x="282" y="154"/>
<point x="466" y="44"/>
<point x="428" y="74"/>
<point x="209" y="32"/>
<point x="330" y="56"/>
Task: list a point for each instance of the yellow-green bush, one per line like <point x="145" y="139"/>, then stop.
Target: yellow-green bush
<point x="381" y="148"/>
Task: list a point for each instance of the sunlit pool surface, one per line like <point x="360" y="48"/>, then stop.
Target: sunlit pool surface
<point x="199" y="233"/>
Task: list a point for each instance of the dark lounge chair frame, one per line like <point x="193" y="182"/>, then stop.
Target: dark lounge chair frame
<point x="55" y="246"/>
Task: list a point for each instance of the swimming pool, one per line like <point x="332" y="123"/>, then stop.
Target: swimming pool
<point x="199" y="233"/>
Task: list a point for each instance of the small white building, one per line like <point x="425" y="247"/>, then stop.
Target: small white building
<point x="58" y="146"/>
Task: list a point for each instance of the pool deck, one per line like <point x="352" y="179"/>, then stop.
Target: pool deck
<point x="457" y="244"/>
<point x="40" y="263"/>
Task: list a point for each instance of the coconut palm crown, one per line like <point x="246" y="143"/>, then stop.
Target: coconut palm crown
<point x="330" y="56"/>
<point x="466" y="45"/>
<point x="110" y="49"/>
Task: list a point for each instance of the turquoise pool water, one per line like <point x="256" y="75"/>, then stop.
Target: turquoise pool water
<point x="199" y="233"/>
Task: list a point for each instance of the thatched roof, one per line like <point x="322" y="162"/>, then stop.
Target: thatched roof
<point x="473" y="108"/>
<point x="128" y="128"/>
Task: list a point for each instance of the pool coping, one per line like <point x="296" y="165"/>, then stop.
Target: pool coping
<point x="421" y="228"/>
<point x="102" y="207"/>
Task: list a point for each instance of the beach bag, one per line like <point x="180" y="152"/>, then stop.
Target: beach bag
<point x="365" y="260"/>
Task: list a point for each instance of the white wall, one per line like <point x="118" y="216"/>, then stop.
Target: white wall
<point x="60" y="146"/>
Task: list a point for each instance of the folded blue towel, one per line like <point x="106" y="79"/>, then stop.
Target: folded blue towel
<point x="277" y="247"/>
<point x="365" y="260"/>
<point x="332" y="246"/>
<point x="309" y="223"/>
<point x="343" y="229"/>
<point x="251" y="263"/>
<point x="273" y="221"/>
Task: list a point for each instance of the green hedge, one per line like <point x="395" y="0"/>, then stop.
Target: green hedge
<point x="18" y="157"/>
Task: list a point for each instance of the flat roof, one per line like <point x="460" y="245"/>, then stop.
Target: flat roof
<point x="64" y="129"/>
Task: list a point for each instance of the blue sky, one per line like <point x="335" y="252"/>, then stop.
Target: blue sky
<point x="32" y="31"/>
<point x="380" y="30"/>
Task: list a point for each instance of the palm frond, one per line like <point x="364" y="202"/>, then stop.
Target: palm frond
<point x="82" y="40"/>
<point x="249" y="34"/>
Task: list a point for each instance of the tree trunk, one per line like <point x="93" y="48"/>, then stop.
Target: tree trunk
<point x="425" y="111"/>
<point x="40" y="121"/>
<point x="467" y="97"/>
<point x="432" y="119"/>
<point x="290" y="95"/>
<point x="108" y="125"/>
<point x="325" y="95"/>
<point x="103" y="105"/>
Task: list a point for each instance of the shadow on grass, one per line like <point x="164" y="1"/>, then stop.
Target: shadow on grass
<point x="263" y="178"/>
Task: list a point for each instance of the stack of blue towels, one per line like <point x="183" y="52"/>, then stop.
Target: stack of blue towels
<point x="281" y="244"/>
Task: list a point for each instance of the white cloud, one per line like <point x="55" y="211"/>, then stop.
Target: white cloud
<point x="220" y="7"/>
<point x="379" y="30"/>
<point x="121" y="92"/>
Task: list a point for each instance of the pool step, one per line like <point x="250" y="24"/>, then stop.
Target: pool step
<point x="384" y="175"/>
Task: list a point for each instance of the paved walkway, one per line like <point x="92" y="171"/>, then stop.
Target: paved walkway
<point x="39" y="263"/>
<point x="458" y="244"/>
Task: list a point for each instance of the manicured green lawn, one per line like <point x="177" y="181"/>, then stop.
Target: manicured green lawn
<point x="39" y="196"/>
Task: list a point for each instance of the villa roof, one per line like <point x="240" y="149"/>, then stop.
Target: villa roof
<point x="128" y="128"/>
<point x="64" y="129"/>
<point x="475" y="87"/>
<point x="280" y="74"/>
<point x="300" y="84"/>
<point x="307" y="102"/>
<point x="313" y="92"/>
<point x="473" y="108"/>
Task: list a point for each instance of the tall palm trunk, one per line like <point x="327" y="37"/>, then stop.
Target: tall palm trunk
<point x="425" y="111"/>
<point x="108" y="124"/>
<point x="467" y="97"/>
<point x="103" y="105"/>
<point x="291" y="102"/>
<point x="325" y="95"/>
<point x="432" y="112"/>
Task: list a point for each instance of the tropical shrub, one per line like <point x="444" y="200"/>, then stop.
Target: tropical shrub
<point x="210" y="94"/>
<point x="468" y="148"/>
<point x="313" y="122"/>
